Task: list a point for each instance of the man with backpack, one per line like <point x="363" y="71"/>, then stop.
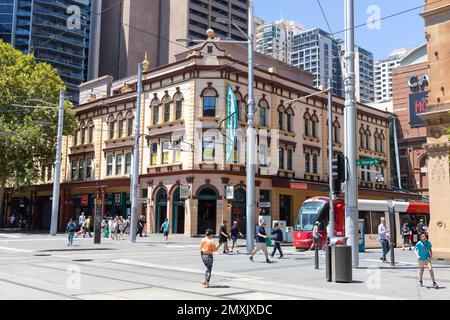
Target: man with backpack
<point x="71" y="227"/>
<point x="277" y="236"/>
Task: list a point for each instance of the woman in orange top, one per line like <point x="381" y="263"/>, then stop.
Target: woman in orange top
<point x="207" y="248"/>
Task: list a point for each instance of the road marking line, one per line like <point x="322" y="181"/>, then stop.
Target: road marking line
<point x="402" y="262"/>
<point x="182" y="269"/>
<point x="15" y="249"/>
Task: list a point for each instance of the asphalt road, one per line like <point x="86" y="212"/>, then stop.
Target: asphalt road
<point x="36" y="266"/>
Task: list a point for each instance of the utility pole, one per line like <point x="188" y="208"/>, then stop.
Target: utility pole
<point x="330" y="157"/>
<point x="351" y="185"/>
<point x="135" y="175"/>
<point x="251" y="137"/>
<point x="57" y="175"/>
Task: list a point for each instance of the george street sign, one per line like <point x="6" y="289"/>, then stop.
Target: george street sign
<point x="368" y="162"/>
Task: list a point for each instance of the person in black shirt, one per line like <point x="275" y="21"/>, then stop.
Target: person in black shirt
<point x="223" y="237"/>
<point x="277" y="236"/>
<point x="234" y="232"/>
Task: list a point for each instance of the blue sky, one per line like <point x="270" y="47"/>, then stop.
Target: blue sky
<point x="406" y="30"/>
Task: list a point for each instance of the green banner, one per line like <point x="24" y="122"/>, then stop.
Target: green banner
<point x="231" y="124"/>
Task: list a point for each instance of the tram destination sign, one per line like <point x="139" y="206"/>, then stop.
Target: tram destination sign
<point x="368" y="162"/>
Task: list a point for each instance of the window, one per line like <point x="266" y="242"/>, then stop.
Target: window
<point x="128" y="164"/>
<point x="289" y="159"/>
<point x="167" y="112"/>
<point x="281" y="158"/>
<point x="178" y="109"/>
<point x="280" y="120"/>
<point x="289" y="122"/>
<point x="118" y="165"/>
<point x="368" y="174"/>
<point x="89" y="168"/>
<point x="75" y="138"/>
<point x="262" y="117"/>
<point x="367" y="142"/>
<point x="74" y="170"/>
<point x="165" y="152"/>
<point x="306" y="127"/>
<point x="81" y="169"/>
<point x="314" y="128"/>
<point x="363" y="174"/>
<point x="83" y="135"/>
<point x="130" y="127"/>
<point x="307" y="163"/>
<point x="315" y="167"/>
<point x="111" y="130"/>
<point x="208" y="149"/>
<point x="49" y="173"/>
<point x="263" y="155"/>
<point x="91" y="133"/>
<point x="361" y="138"/>
<point x="109" y="165"/>
<point x="209" y="106"/>
<point x="155" y="115"/>
<point x="121" y="123"/>
<point x="154" y="154"/>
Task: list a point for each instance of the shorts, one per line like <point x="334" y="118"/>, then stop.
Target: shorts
<point x="405" y="239"/>
<point x="424" y="263"/>
<point x="234" y="239"/>
<point x="223" y="240"/>
<point x="260" y="246"/>
<point x="166" y="233"/>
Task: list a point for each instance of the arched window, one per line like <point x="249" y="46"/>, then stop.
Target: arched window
<point x="119" y="165"/>
<point x="155" y="111"/>
<point x="281" y="111"/>
<point x="120" y="125"/>
<point x="382" y="141"/>
<point x="362" y="140"/>
<point x="209" y="101"/>
<point x="130" y="123"/>
<point x="263" y="107"/>
<point x="314" y="122"/>
<point x="128" y="163"/>
<point x="111" y="127"/>
<point x="377" y="141"/>
<point x="336" y="130"/>
<point x="289" y="115"/>
<point x="307" y="118"/>
<point x="368" y="135"/>
<point x="178" y="100"/>
<point x="91" y="131"/>
<point x="166" y="104"/>
<point x="83" y="133"/>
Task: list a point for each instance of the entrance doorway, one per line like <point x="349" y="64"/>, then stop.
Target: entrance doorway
<point x="238" y="212"/>
<point x="161" y="209"/>
<point x="177" y="212"/>
<point x="207" y="210"/>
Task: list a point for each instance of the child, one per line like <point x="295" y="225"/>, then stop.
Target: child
<point x="406" y="233"/>
<point x="423" y="253"/>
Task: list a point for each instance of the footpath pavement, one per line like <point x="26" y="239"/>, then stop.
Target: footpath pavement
<point x="37" y="266"/>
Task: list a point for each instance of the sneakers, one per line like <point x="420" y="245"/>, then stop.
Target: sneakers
<point x="251" y="259"/>
<point x="435" y="285"/>
<point x="420" y="283"/>
<point x="281" y="257"/>
<point x="268" y="261"/>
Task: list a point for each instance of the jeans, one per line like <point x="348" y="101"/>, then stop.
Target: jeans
<point x="276" y="246"/>
<point x="71" y="234"/>
<point x="208" y="261"/>
<point x="385" y="246"/>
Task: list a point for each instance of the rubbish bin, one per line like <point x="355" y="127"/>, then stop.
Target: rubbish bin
<point x="341" y="263"/>
<point x="289" y="234"/>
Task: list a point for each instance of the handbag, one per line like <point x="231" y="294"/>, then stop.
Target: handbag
<point x="268" y="242"/>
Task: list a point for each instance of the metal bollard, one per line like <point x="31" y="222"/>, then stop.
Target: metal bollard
<point x="316" y="257"/>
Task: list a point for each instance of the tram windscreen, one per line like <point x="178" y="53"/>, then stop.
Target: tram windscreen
<point x="309" y="214"/>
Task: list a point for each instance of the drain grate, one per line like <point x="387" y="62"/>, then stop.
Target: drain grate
<point x="42" y="255"/>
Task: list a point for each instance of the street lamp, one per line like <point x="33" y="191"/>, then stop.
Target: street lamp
<point x="251" y="134"/>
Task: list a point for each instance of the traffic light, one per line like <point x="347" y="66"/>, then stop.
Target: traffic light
<point x="338" y="172"/>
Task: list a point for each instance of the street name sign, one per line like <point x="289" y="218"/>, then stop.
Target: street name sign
<point x="368" y="162"/>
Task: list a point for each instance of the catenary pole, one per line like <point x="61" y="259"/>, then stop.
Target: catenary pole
<point x="351" y="185"/>
<point x="135" y="175"/>
<point x="57" y="174"/>
<point x="251" y="137"/>
<point x="330" y="156"/>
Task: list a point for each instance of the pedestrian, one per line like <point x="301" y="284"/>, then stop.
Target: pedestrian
<point x="223" y="237"/>
<point x="277" y="237"/>
<point x="424" y="254"/>
<point x="317" y="238"/>
<point x="234" y="232"/>
<point x="121" y="227"/>
<point x="406" y="236"/>
<point x="126" y="223"/>
<point x="383" y="236"/>
<point x="165" y="227"/>
<point x="111" y="227"/>
<point x="141" y="226"/>
<point x="87" y="227"/>
<point x="70" y="229"/>
<point x="422" y="227"/>
<point x="260" y="240"/>
<point x="81" y="220"/>
<point x="328" y="233"/>
<point x="12" y="221"/>
<point x="207" y="249"/>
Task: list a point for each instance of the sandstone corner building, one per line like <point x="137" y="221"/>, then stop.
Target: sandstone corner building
<point x="183" y="172"/>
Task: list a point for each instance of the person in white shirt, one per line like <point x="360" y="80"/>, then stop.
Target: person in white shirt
<point x="383" y="236"/>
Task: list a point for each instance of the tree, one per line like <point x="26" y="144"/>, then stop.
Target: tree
<point x="25" y="147"/>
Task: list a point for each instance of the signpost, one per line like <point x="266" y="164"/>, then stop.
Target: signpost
<point x="368" y="162"/>
<point x="98" y="222"/>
